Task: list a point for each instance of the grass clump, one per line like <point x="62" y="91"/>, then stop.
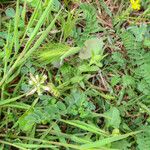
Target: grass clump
<point x="74" y="75"/>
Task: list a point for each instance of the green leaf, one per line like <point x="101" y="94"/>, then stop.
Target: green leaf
<point x="139" y="32"/>
<point x="87" y="68"/>
<point x="92" y="46"/>
<point x="115" y="80"/>
<point x="115" y="120"/>
<point x="56" y="5"/>
<point x="117" y="57"/>
<point x="147" y="42"/>
<point x="10" y="12"/>
<point x="128" y="80"/>
<point x="25" y="123"/>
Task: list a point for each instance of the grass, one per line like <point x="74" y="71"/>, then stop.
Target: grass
<point x="74" y="75"/>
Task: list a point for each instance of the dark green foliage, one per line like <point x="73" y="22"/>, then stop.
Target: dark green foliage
<point x="48" y="111"/>
<point x="70" y="83"/>
<point x="122" y="145"/>
<point x="138" y="56"/>
<point x="91" y="26"/>
<point x="143" y="139"/>
<point x="79" y="104"/>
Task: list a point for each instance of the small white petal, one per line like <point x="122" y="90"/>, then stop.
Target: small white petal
<point x="46" y="88"/>
<point x="37" y="77"/>
<point x="31" y="92"/>
<point x="30" y="82"/>
<point x="33" y="78"/>
<point x="38" y="85"/>
<point x="45" y="76"/>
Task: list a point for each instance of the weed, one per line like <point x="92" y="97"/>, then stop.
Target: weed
<point x="74" y="75"/>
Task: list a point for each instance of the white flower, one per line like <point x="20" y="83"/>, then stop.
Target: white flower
<point x="38" y="84"/>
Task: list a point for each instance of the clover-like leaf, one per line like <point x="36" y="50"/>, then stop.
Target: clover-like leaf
<point x="92" y="46"/>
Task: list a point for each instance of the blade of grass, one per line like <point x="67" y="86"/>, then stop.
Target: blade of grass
<point x="16" y="24"/>
<point x="13" y="76"/>
<point x="12" y="144"/>
<point x="7" y="49"/>
<point x="72" y="51"/>
<point x="16" y="89"/>
<point x="42" y="37"/>
<point x="38" y="26"/>
<point x="85" y="126"/>
<point x="17" y="105"/>
<point x="106" y="141"/>
<point x="72" y="137"/>
<point x="57" y="129"/>
<point x="24" y="55"/>
<point x="44" y="141"/>
<point x="23" y="14"/>
<point x="34" y="145"/>
<point x="21" y="59"/>
<point x="36" y="29"/>
<point x="31" y="21"/>
<point x="7" y="101"/>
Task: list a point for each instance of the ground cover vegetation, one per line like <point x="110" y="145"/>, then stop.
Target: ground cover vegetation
<point x="75" y="74"/>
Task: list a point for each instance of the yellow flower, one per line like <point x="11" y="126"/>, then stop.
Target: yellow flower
<point x="135" y="4"/>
